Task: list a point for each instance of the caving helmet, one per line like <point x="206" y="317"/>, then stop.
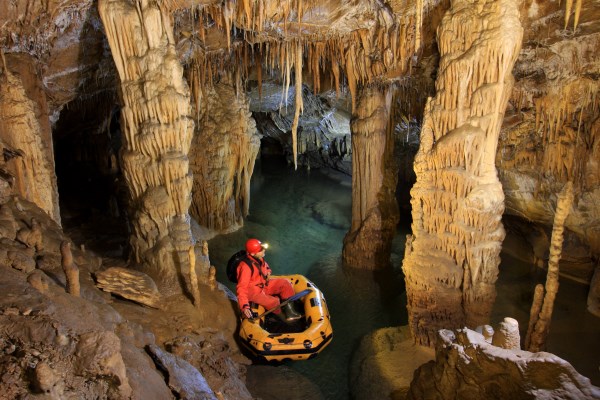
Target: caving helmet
<point x="254" y="246"/>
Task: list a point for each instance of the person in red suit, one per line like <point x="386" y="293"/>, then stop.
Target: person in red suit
<point x="255" y="285"/>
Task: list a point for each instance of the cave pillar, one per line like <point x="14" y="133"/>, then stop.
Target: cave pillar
<point x="157" y="133"/>
<point x="24" y="132"/>
<point x="374" y="208"/>
<point x="452" y="257"/>
<point x="224" y="150"/>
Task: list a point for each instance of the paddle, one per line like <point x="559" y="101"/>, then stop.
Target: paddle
<point x="297" y="296"/>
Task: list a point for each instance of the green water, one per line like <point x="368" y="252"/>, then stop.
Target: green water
<point x="304" y="215"/>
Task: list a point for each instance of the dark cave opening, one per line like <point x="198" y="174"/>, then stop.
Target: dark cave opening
<point x="91" y="190"/>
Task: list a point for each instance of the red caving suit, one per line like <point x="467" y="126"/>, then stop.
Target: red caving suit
<point x="254" y="286"/>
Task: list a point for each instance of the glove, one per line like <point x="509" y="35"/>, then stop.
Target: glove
<point x="246" y="311"/>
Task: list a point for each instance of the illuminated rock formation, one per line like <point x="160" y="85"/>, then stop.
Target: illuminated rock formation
<point x="22" y="132"/>
<point x="539" y="324"/>
<point x="129" y="284"/>
<point x="374" y="208"/>
<point x="467" y="366"/>
<point x="552" y="132"/>
<point x="451" y="260"/>
<point x="158" y="130"/>
<point x="222" y="158"/>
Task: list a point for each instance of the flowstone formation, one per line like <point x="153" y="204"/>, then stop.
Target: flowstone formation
<point x="30" y="162"/>
<point x="468" y="366"/>
<point x="223" y="150"/>
<point x="452" y="257"/>
<point x="552" y="132"/>
<point x="157" y="133"/>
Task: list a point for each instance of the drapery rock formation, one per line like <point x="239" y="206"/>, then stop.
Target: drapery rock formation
<point x="24" y="133"/>
<point x="224" y="150"/>
<point x="158" y="131"/>
<point x="374" y="208"/>
<point x="324" y="140"/>
<point x="551" y="135"/>
<point x="452" y="257"/>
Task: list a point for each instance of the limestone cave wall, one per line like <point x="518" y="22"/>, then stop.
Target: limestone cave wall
<point x="550" y="134"/>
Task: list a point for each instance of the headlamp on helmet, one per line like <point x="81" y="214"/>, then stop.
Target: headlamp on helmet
<point x="254" y="246"/>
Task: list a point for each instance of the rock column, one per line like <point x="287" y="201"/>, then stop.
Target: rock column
<point x="158" y="128"/>
<point x="225" y="147"/>
<point x="374" y="208"/>
<point x="451" y="261"/>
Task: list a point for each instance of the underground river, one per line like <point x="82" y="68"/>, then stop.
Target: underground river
<point x="304" y="215"/>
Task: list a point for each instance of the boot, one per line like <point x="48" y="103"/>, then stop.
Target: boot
<point x="281" y="316"/>
<point x="290" y="313"/>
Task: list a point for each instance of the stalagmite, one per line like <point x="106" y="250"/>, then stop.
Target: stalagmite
<point x="451" y="262"/>
<point x="374" y="208"/>
<point x="212" y="277"/>
<point x="32" y="237"/>
<point x="39" y="280"/>
<point x="540" y="330"/>
<point x="157" y="132"/>
<point x="507" y="336"/>
<point x="536" y="306"/>
<point x="70" y="269"/>
<point x="193" y="277"/>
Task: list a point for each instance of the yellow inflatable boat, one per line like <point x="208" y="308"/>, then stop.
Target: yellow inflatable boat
<point x="301" y="341"/>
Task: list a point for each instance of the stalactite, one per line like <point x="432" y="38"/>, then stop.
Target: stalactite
<point x="225" y="148"/>
<point x="577" y="12"/>
<point x="419" y="19"/>
<point x="568" y="8"/>
<point x="299" y="105"/>
<point x="541" y="327"/>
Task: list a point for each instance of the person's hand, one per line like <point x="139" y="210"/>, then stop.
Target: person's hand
<point x="247" y="312"/>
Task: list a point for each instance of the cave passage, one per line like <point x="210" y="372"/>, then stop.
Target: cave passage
<point x="304" y="215"/>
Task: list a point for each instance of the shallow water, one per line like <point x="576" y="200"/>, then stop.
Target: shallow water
<point x="304" y="216"/>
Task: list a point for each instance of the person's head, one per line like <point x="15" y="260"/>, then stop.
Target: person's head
<point x="255" y="247"/>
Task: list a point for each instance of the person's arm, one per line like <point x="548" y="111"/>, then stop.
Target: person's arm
<point x="244" y="273"/>
<point x="267" y="271"/>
